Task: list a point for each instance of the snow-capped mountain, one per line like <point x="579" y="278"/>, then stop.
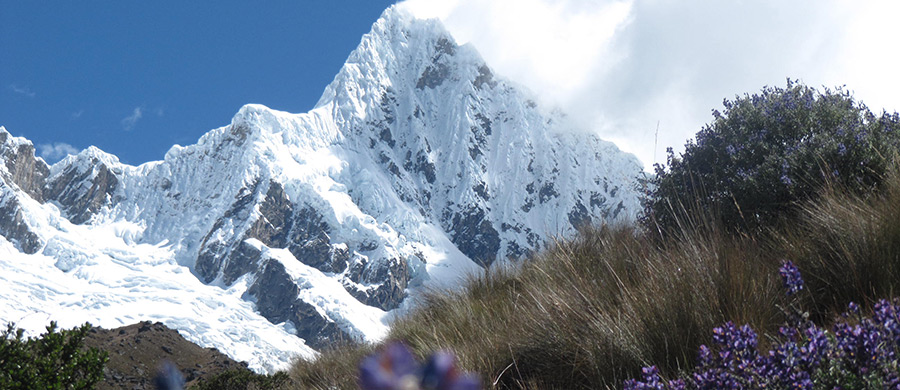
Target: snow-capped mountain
<point x="280" y="232"/>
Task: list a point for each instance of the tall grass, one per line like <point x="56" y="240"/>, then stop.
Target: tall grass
<point x="590" y="312"/>
<point x="848" y="247"/>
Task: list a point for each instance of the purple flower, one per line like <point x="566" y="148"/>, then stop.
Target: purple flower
<point x="786" y="180"/>
<point x="651" y="380"/>
<point x="441" y="373"/>
<point x="390" y="369"/>
<point x="790" y="275"/>
<point x="860" y="349"/>
<point x="168" y="377"/>
<point x="706" y="357"/>
<point x="395" y="368"/>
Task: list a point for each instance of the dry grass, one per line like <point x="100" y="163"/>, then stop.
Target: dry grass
<point x="848" y="247"/>
<point x="592" y="311"/>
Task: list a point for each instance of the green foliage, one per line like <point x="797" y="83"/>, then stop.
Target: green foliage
<point x="244" y="380"/>
<point x="768" y="152"/>
<point x="55" y="360"/>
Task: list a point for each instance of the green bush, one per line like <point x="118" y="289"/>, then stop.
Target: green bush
<point x="244" y="380"/>
<point x="55" y="360"/>
<point x="768" y="152"/>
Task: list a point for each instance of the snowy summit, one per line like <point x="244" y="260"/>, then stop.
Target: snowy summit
<point x="280" y="233"/>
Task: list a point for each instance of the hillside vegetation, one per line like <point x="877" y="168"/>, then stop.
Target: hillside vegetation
<point x="593" y="311"/>
<point x="790" y="174"/>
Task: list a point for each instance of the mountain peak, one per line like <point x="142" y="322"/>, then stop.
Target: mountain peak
<point x="400" y="52"/>
<point x="418" y="166"/>
<point x="8" y="141"/>
<point x="89" y="156"/>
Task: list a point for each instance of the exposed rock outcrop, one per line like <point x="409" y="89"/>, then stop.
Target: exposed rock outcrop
<point x="23" y="169"/>
<point x="83" y="185"/>
<point x="277" y="298"/>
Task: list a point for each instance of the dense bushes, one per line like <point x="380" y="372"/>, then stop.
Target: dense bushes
<point x="767" y="152"/>
<point x="55" y="360"/>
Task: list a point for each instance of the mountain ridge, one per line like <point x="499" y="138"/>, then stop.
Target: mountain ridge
<point x="417" y="166"/>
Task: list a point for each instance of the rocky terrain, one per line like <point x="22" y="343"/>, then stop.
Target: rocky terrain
<point x="136" y="353"/>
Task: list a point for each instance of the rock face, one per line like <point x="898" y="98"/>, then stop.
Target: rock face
<point x="80" y="185"/>
<point x="83" y="184"/>
<point x="13" y="225"/>
<point x="23" y="178"/>
<point x="22" y="168"/>
<point x="277" y="298"/>
<point x="417" y="166"/>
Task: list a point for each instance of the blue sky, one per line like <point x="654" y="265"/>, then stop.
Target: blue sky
<point x="134" y="78"/>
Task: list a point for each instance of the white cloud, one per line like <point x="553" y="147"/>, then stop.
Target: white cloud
<point x="622" y="66"/>
<point x="55" y="151"/>
<point x="77" y="114"/>
<point x="130" y="121"/>
<point x="24" y="91"/>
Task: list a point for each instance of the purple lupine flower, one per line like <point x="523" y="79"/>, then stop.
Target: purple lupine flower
<point x="706" y="359"/>
<point x="395" y="368"/>
<point x="816" y="349"/>
<point x="791" y="277"/>
<point x="392" y="368"/>
<point x="168" y="377"/>
<point x="651" y="380"/>
<point x="441" y="373"/>
<point x="853" y="309"/>
<point x="677" y="384"/>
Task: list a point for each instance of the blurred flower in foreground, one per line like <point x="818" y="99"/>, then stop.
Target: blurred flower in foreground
<point x="168" y="377"/>
<point x="395" y="368"/>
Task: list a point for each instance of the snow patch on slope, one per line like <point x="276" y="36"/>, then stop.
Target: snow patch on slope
<point x="113" y="282"/>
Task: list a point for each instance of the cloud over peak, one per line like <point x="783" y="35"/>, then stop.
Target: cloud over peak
<point x="622" y="66"/>
<point x="56" y="151"/>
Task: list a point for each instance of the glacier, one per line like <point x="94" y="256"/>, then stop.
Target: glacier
<point x="282" y="233"/>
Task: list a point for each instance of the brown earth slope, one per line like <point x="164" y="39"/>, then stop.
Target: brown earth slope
<point x="137" y="351"/>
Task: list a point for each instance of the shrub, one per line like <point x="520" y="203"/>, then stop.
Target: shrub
<point x="55" y="360"/>
<point x="767" y="152"/>
<point x="244" y="380"/>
